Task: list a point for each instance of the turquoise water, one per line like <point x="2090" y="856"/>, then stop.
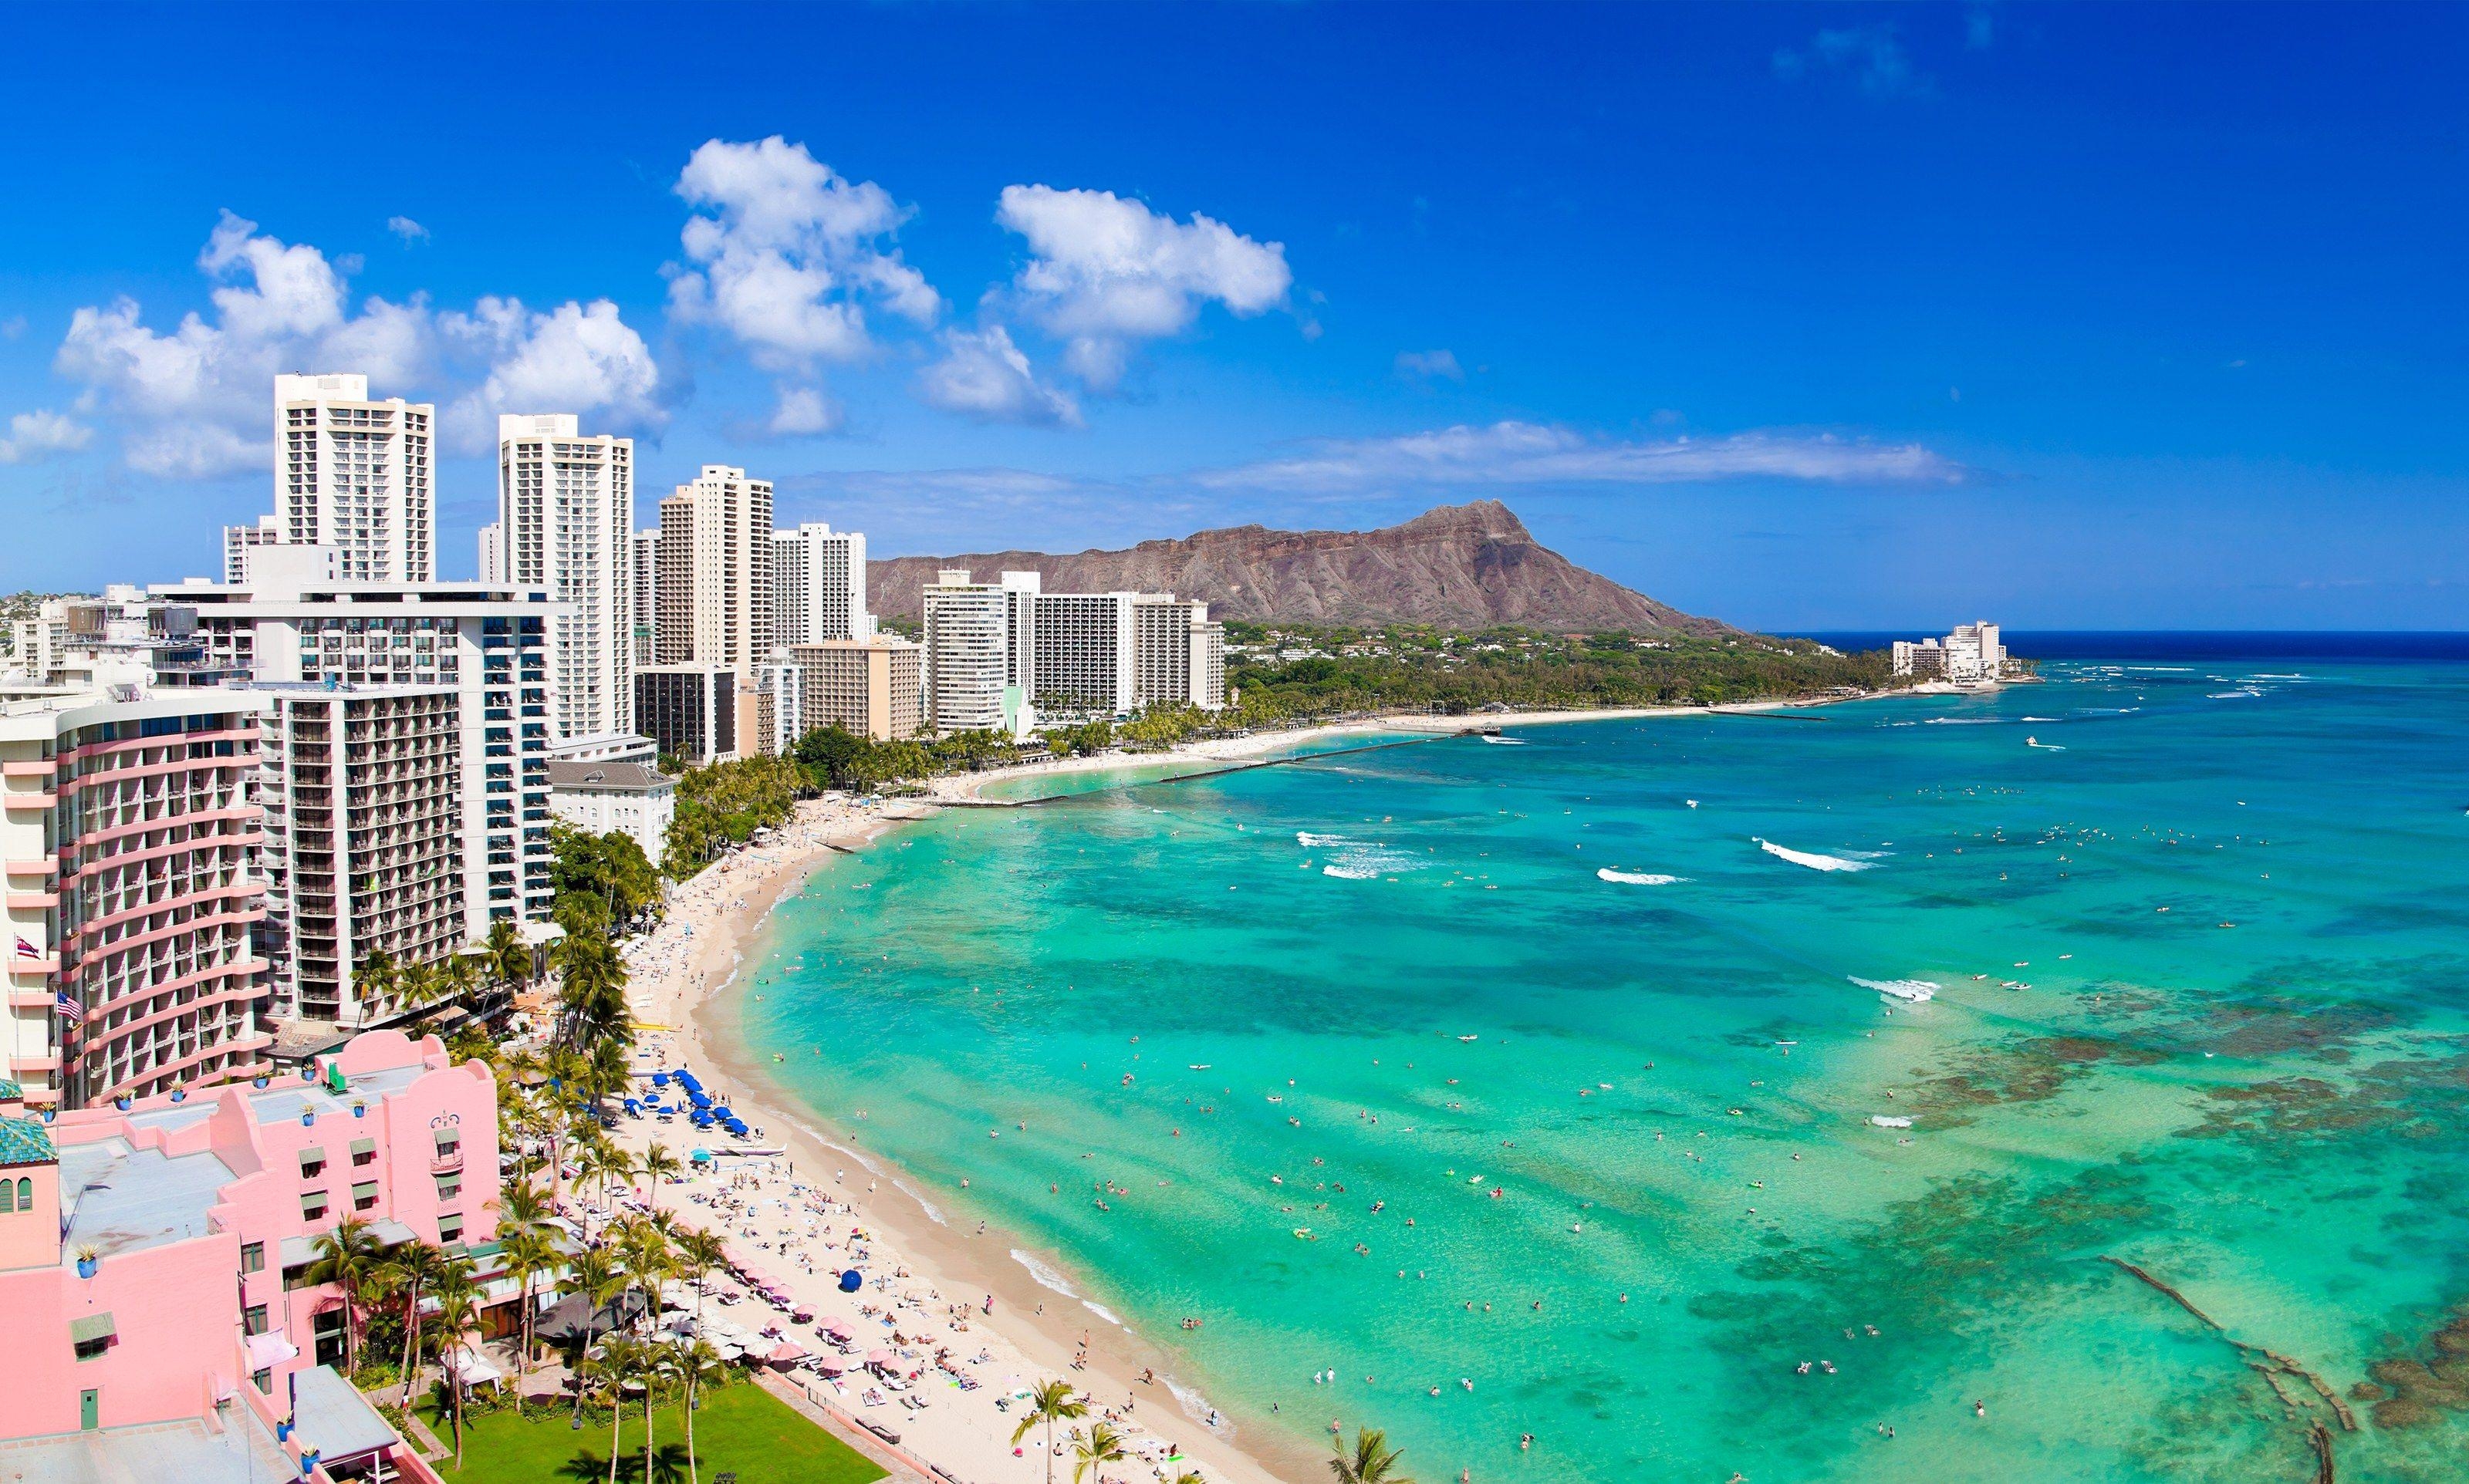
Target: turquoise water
<point x="1409" y="986"/>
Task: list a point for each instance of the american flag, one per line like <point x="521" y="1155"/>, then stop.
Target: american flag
<point x="69" y="1010"/>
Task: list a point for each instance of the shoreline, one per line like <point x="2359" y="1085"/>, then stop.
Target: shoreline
<point x="683" y="973"/>
<point x="1034" y="1330"/>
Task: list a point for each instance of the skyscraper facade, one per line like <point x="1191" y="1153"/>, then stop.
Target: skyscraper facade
<point x="566" y="518"/>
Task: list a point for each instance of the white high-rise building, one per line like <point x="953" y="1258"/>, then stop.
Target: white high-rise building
<point x="492" y="553"/>
<point x="565" y="515"/>
<point x="1081" y="663"/>
<point x="980" y="652"/>
<point x="357" y="475"/>
<point x="1178" y="654"/>
<point x="819" y="585"/>
<point x="1973" y="655"/>
<point x="487" y="644"/>
<point x="647" y="587"/>
<point x="239" y="540"/>
<point x="713" y="582"/>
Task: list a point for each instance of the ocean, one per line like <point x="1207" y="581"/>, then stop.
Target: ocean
<point x="1553" y="1090"/>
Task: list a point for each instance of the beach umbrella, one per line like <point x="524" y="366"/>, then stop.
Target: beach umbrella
<point x="698" y="1097"/>
<point x="878" y="1358"/>
<point x="831" y="1365"/>
<point x="722" y="1111"/>
<point x="690" y="1082"/>
<point x="660" y="1079"/>
<point x="851" y="1281"/>
<point x="786" y="1353"/>
<point x="700" y="1156"/>
<point x="836" y="1329"/>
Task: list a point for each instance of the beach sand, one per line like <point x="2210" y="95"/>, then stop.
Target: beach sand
<point x="810" y="1195"/>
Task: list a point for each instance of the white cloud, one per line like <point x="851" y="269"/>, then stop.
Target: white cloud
<point x="1871" y="54"/>
<point x="804" y="411"/>
<point x="789" y="254"/>
<point x="1527" y="453"/>
<point x="193" y="401"/>
<point x="38" y="435"/>
<point x="1435" y="365"/>
<point x="1107" y="272"/>
<point x="573" y="358"/>
<point x="406" y="229"/>
<point x="986" y="377"/>
<point x="195" y="450"/>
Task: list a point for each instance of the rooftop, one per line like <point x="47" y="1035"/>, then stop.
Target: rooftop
<point x="628" y="777"/>
<point x="118" y="1199"/>
<point x="23" y="1141"/>
<point x="188" y="1451"/>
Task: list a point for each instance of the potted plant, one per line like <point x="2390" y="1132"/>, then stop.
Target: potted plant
<point x="307" y="1116"/>
<point x="359" y="1109"/>
<point x="121" y="1103"/>
<point x="87" y="1259"/>
<point x="260" y="1082"/>
<point x="180" y="1094"/>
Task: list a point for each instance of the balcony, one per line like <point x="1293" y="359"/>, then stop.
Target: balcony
<point x="450" y="1162"/>
<point x="14" y="800"/>
<point x="29" y="767"/>
<point x="33" y="901"/>
<point x="45" y="866"/>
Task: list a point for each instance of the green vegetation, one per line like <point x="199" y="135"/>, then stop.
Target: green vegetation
<point x="600" y="879"/>
<point x="725" y="804"/>
<point x="1341" y="670"/>
<point x="741" y="1428"/>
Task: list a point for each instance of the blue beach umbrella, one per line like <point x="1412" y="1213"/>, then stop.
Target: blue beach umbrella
<point x="660" y="1079"/>
<point x="700" y="1156"/>
<point x="851" y="1281"/>
<point x="722" y="1111"/>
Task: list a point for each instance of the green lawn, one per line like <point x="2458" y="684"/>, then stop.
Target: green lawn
<point x="741" y="1427"/>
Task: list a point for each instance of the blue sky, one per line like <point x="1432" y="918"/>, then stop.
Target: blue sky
<point x="1808" y="317"/>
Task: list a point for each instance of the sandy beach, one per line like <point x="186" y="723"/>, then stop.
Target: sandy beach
<point x="825" y="1206"/>
<point x="824" y="1203"/>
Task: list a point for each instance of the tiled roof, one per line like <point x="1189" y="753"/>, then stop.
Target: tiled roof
<point x="25" y="1142"/>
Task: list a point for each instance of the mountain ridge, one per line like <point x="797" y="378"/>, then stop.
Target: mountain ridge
<point x="1457" y="566"/>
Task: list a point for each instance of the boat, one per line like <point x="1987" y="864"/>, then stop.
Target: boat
<point x="1889" y="1121"/>
<point x="1498" y="741"/>
<point x="1692" y="803"/>
<point x="1200" y="1066"/>
<point x="1470" y="1037"/>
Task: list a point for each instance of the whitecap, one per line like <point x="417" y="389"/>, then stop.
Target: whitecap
<point x="1916" y="990"/>
<point x="1965" y="720"/>
<point x="1101" y="1312"/>
<point x="1311" y="841"/>
<point x="1815" y="862"/>
<point x="1046" y="1276"/>
<point x="1637" y="878"/>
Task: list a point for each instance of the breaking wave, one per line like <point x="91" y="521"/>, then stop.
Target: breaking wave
<point x="1046" y="1277"/>
<point x="1637" y="878"/>
<point x="1810" y="859"/>
<point x="1916" y="990"/>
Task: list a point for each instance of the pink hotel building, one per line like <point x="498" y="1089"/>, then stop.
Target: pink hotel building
<point x="152" y="1258"/>
<point x="127" y="836"/>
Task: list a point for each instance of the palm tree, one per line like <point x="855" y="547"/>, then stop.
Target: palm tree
<point x="653" y="1362"/>
<point x="348" y="1257"/>
<point x="508" y="959"/>
<point x="1371" y="1462"/>
<point x="458" y="1313"/>
<point x="1103" y="1446"/>
<point x="528" y="1255"/>
<point x="645" y="1249"/>
<point x="418" y="1269"/>
<point x="415" y="985"/>
<point x="697" y="1253"/>
<point x="658" y="1165"/>
<point x="595" y="1277"/>
<point x="1050" y="1404"/>
<point x="619" y="1359"/>
<point x="377" y="976"/>
<point x="697" y="1365"/>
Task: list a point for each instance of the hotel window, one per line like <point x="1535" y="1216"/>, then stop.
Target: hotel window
<point x="312" y="1204"/>
<point x="364" y="1196"/>
<point x="252" y="1257"/>
<point x="449" y="1228"/>
<point x="450" y="1186"/>
<point x="312" y="1162"/>
<point x="263" y="1380"/>
<point x="252" y="1319"/>
<point x="364" y="1152"/>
